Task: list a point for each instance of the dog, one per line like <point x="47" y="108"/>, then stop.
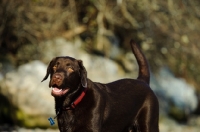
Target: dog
<point x="81" y="105"/>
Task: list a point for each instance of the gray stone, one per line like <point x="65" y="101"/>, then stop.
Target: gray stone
<point x="174" y="93"/>
<point x="25" y="89"/>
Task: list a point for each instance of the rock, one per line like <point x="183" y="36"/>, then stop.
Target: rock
<point x="167" y="124"/>
<point x="176" y="96"/>
<point x="24" y="89"/>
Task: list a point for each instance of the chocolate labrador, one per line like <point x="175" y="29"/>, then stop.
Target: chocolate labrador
<point x="126" y="105"/>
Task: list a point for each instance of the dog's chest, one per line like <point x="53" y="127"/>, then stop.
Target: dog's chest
<point x="70" y="121"/>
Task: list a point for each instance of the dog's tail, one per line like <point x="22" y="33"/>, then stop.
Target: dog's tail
<point x="144" y="73"/>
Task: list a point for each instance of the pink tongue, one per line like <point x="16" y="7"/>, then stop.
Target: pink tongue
<point x="56" y="89"/>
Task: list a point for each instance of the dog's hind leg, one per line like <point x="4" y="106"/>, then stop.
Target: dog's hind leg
<point x="135" y="127"/>
<point x="148" y="119"/>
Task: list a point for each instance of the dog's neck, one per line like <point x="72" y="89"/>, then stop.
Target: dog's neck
<point x="71" y="101"/>
<point x="78" y="100"/>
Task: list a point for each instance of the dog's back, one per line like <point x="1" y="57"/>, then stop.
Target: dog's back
<point x="131" y="96"/>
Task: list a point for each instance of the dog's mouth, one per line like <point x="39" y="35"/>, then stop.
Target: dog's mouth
<point x="58" y="92"/>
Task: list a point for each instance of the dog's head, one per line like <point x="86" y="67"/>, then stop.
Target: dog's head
<point x="66" y="74"/>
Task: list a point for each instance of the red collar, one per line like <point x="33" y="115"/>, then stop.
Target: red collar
<point x="77" y="101"/>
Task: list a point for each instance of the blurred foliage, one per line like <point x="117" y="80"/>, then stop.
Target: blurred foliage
<point x="168" y="31"/>
<point x="7" y="111"/>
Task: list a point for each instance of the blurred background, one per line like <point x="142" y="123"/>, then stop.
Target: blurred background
<point x="32" y="32"/>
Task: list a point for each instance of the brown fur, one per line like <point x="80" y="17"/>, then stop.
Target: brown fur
<point x="125" y="105"/>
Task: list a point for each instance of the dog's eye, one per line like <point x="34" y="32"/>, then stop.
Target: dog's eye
<point x="67" y="64"/>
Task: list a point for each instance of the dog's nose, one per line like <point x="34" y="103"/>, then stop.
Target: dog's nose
<point x="57" y="77"/>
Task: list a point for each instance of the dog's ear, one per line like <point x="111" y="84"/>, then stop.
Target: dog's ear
<point x="83" y="74"/>
<point x="49" y="69"/>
